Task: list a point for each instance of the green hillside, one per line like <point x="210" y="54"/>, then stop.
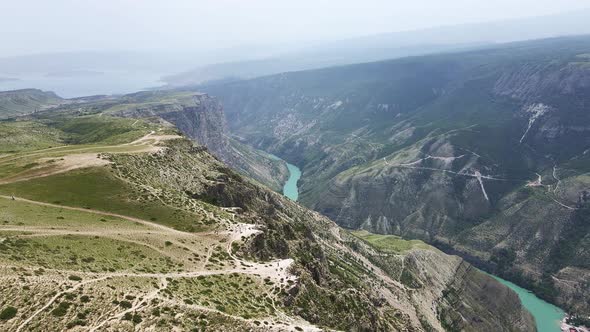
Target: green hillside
<point x="26" y="101"/>
<point x="121" y="223"/>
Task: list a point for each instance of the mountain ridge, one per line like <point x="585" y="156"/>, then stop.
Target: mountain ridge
<point x="450" y="38"/>
<point x="468" y="151"/>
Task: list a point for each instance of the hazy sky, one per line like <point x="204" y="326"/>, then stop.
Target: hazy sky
<point x="38" y="26"/>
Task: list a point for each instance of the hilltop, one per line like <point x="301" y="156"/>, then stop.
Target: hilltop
<point x="18" y="102"/>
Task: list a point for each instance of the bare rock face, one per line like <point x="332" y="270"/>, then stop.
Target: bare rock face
<point x="554" y="96"/>
<point x="446" y="292"/>
<point x="462" y="304"/>
<point x="421" y="192"/>
<point x="533" y="81"/>
<point x="205" y="123"/>
<point x="201" y="118"/>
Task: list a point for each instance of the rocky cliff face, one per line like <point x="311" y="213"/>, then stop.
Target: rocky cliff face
<point x="494" y="211"/>
<point x="205" y="123"/>
<point x="201" y="118"/>
<point x="483" y="153"/>
<point x="445" y="289"/>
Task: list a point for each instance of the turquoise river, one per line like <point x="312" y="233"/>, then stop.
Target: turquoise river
<point x="290" y="188"/>
<point x="547" y="316"/>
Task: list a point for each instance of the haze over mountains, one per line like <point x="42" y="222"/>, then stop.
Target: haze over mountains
<point x="82" y="73"/>
<point x="349" y="184"/>
<point x="393" y="45"/>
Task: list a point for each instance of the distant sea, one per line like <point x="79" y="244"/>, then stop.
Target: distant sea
<point x="85" y="83"/>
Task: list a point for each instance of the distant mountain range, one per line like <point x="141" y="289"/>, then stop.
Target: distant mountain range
<point x="69" y="74"/>
<point x="391" y="45"/>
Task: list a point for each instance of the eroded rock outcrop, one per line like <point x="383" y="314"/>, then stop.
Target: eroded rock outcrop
<point x="201" y="118"/>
